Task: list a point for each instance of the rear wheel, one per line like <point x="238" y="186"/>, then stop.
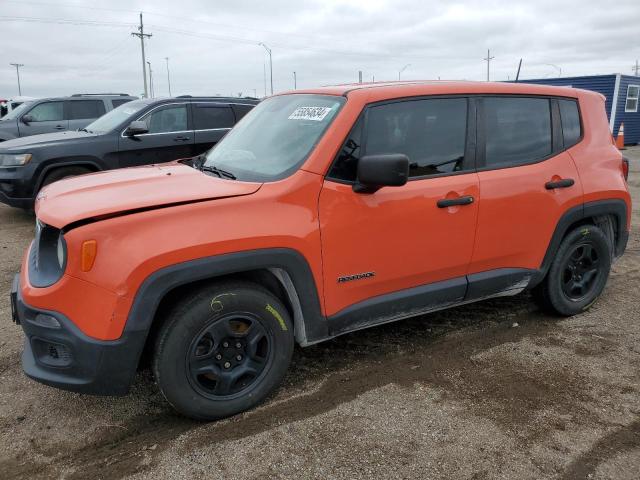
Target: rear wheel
<point x="223" y="350"/>
<point x="578" y="273"/>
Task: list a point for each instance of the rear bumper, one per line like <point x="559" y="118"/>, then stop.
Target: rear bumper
<point x="58" y="354"/>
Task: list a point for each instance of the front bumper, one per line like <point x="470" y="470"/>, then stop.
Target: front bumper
<point x="58" y="354"/>
<point x="16" y="187"/>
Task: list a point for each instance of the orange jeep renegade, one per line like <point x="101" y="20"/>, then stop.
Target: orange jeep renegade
<point x="322" y="212"/>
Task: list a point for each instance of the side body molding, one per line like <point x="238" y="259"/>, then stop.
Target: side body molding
<point x="161" y="282"/>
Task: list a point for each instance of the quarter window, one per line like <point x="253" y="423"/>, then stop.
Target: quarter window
<point x="48" y="112"/>
<point x="206" y="117"/>
<point x="170" y="119"/>
<point x="517" y="130"/>
<point x="570" y="119"/>
<point x="633" y="92"/>
<point x="432" y="133"/>
<point x="85" y="109"/>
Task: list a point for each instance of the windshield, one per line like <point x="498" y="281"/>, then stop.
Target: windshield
<point x="16" y="112"/>
<point x="273" y="140"/>
<point x="116" y="117"/>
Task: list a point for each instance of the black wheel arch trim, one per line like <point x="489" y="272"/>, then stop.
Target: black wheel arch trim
<point x="615" y="207"/>
<point x="82" y="161"/>
<point x="157" y="285"/>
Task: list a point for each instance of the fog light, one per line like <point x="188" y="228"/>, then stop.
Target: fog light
<point x="46" y="321"/>
<point x="50" y="353"/>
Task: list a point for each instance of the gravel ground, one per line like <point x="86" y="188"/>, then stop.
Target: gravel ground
<point x="491" y="390"/>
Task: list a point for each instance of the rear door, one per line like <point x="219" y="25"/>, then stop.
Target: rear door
<point x="81" y="113"/>
<point x="399" y="238"/>
<point x="170" y="137"/>
<point x="211" y="122"/>
<point x="524" y="155"/>
<point x="47" y="117"/>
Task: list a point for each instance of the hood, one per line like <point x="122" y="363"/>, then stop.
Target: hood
<point x="43" y="140"/>
<point x="129" y="190"/>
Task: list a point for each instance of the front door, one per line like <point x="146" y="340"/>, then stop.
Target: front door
<point x="46" y="117"/>
<point x="402" y="238"/>
<point x="170" y="137"/>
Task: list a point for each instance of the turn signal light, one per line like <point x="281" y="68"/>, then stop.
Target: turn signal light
<point x="89" y="252"/>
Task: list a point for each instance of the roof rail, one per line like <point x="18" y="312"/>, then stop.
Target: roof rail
<point x="100" y="94"/>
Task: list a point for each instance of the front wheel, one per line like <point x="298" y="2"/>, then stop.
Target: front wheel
<point x="223" y="350"/>
<point x="578" y="272"/>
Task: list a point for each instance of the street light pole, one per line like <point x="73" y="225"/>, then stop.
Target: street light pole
<point x="18" y="65"/>
<point x="168" y="77"/>
<point x="295" y="81"/>
<point x="151" y="80"/>
<point x="270" y="64"/>
<point x="556" y="67"/>
<point x="402" y="70"/>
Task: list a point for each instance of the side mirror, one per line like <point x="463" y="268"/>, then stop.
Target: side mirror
<point x="26" y="119"/>
<point x="136" y="128"/>
<point x="377" y="171"/>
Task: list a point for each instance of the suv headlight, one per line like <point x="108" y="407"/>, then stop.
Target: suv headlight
<point x="14" y="159"/>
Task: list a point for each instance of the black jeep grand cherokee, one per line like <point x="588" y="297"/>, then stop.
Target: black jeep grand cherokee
<point x="137" y="133"/>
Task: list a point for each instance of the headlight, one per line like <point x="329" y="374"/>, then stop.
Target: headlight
<point x="47" y="257"/>
<point x="14" y="160"/>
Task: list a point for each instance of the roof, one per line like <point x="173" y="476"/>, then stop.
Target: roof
<point x="388" y="90"/>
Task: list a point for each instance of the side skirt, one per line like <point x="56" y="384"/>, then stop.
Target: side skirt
<point x="429" y="298"/>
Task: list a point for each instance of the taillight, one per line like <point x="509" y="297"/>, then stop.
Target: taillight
<point x="625" y="168"/>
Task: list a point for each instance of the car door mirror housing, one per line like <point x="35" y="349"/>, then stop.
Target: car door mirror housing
<point x="377" y="171"/>
<point x="136" y="128"/>
<point x="26" y="119"/>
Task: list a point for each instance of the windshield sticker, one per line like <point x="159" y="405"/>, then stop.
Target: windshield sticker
<point x="310" y="113"/>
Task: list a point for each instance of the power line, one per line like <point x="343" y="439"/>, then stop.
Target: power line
<point x="65" y="21"/>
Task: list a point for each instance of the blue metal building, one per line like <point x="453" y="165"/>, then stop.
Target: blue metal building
<point x="621" y="91"/>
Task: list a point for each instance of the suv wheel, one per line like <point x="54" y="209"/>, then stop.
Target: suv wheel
<point x="223" y="350"/>
<point x="64" y="172"/>
<point x="578" y="273"/>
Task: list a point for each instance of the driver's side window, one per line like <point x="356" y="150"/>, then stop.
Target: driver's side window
<point x="168" y="119"/>
<point x="432" y="133"/>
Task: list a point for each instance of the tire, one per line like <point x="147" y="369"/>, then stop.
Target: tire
<point x="577" y="274"/>
<point x="222" y="350"/>
<point x="64" y="172"/>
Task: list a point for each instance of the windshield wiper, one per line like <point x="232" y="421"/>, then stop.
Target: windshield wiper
<point x="221" y="173"/>
<point x="84" y="130"/>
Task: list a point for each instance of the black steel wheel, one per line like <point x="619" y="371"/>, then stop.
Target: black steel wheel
<point x="578" y="272"/>
<point x="222" y="350"/>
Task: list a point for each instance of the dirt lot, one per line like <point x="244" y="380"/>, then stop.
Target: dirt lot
<point x="491" y="390"/>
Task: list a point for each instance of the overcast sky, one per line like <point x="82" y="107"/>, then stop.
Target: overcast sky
<point x="72" y="46"/>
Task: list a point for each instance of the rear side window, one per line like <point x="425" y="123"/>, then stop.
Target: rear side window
<point x="570" y="119"/>
<point x="116" y="102"/>
<point x="432" y="133"/>
<point x="517" y="130"/>
<point x="207" y="117"/>
<point x="48" y="112"/>
<point x="85" y="109"/>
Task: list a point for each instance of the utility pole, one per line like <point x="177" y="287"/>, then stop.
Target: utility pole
<point x="270" y="64"/>
<point x="151" y="80"/>
<point x="488" y="60"/>
<point x="636" y="68"/>
<point x="168" y="77"/>
<point x="359" y="76"/>
<point x="18" y="65"/>
<point x="402" y="70"/>
<point x="295" y="81"/>
<point x="141" y="35"/>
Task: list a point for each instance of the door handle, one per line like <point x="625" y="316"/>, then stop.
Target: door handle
<point x="452" y="202"/>
<point x="59" y="127"/>
<point x="564" y="183"/>
<point x="181" y="139"/>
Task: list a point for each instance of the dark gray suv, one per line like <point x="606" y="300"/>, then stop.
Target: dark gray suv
<point x="47" y="115"/>
<point x="140" y="132"/>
